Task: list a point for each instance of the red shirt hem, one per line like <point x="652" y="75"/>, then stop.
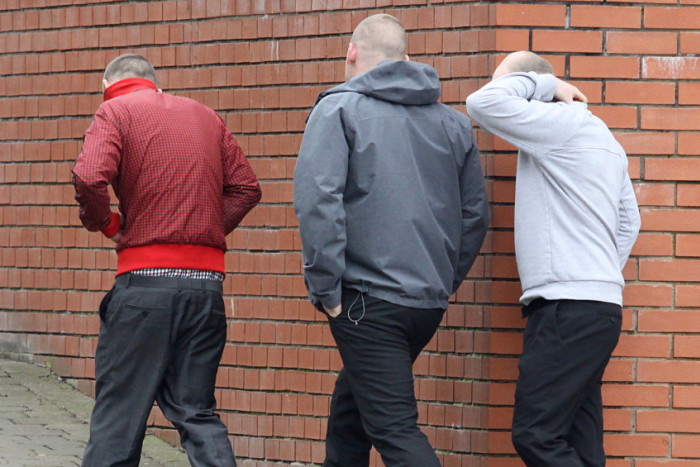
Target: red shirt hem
<point x="170" y="256"/>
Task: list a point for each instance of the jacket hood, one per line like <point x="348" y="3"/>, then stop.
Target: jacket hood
<point x="398" y="81"/>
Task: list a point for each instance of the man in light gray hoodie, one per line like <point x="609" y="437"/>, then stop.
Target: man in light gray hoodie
<point x="392" y="210"/>
<point x="576" y="219"/>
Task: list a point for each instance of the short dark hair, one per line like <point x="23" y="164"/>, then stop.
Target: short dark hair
<point x="130" y="66"/>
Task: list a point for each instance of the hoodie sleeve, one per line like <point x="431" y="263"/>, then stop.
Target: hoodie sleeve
<point x="630" y="221"/>
<point x="475" y="213"/>
<point x="518" y="109"/>
<point x="319" y="183"/>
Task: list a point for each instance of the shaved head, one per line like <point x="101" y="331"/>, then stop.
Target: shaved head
<point x="523" y="62"/>
<point x="382" y="35"/>
<point x="129" y="66"/>
<point x="377" y="38"/>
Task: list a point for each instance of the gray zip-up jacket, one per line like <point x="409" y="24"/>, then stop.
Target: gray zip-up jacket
<point x="576" y="216"/>
<point x="389" y="190"/>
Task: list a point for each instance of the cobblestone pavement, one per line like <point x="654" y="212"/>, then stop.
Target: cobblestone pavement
<point x="44" y="422"/>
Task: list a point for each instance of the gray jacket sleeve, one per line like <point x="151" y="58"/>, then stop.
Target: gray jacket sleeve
<point x="518" y="109"/>
<point x="476" y="215"/>
<point x="630" y="221"/>
<point x="319" y="183"/>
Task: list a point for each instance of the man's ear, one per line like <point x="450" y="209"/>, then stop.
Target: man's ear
<point x="105" y="84"/>
<point x="351" y="56"/>
<point x="407" y="58"/>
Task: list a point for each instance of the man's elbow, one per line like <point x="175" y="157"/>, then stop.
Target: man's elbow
<point x="475" y="106"/>
<point x="256" y="195"/>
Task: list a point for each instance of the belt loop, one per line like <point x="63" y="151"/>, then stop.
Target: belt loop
<point x="128" y="279"/>
<point x="179" y="284"/>
<point x="203" y="283"/>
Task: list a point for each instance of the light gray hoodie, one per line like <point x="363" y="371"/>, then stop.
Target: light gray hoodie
<point x="576" y="216"/>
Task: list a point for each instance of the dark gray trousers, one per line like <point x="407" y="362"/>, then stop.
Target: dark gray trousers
<point x="160" y="339"/>
<point x="558" y="417"/>
<point x="374" y="400"/>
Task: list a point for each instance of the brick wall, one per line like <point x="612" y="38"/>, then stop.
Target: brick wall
<point x="261" y="63"/>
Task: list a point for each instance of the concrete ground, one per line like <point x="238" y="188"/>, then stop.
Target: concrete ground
<point x="44" y="422"/>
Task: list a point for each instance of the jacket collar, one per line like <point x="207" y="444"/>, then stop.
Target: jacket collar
<point x="125" y="86"/>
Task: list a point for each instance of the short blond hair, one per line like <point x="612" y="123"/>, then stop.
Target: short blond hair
<point x="381" y="34"/>
<point x="525" y="62"/>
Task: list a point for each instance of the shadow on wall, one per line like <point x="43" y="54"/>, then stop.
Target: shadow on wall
<point x="13" y="347"/>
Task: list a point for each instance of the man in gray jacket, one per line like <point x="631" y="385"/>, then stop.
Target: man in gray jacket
<point x="392" y="210"/>
<point x="576" y="219"/>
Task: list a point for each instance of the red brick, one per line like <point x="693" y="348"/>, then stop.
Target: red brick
<point x="643" y="346"/>
<point x="655" y="194"/>
<point x="670" y="67"/>
<point x="688" y="296"/>
<point x="646" y="42"/>
<point x="677" y="220"/>
<point x="689" y="93"/>
<point x="669" y="321"/>
<point x="668" y="371"/>
<point x="686" y="347"/>
<point x="511" y="40"/>
<point x="685" y="446"/>
<point x="681" y="270"/>
<point x="689" y="144"/>
<point x="668" y="421"/>
<point x="633" y="92"/>
<point x="647" y="295"/>
<point x="688" y="244"/>
<point x="530" y="15"/>
<point x="635" y="395"/>
<point x="604" y="67"/>
<point x="685" y="169"/>
<point x="688" y="195"/>
<point x="594" y="16"/>
<point x="671" y="17"/>
<point x="616" y="116"/>
<point x="690" y="43"/>
<point x="686" y="396"/>
<point x="647" y="142"/>
<point x="567" y="41"/>
<point x="654" y="245"/>
<point x="636" y="445"/>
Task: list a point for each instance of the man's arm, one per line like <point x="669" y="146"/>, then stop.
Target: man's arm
<point x="241" y="188"/>
<point x="518" y="108"/>
<point x="96" y="167"/>
<point x="630" y="221"/>
<point x="475" y="214"/>
<point x="319" y="183"/>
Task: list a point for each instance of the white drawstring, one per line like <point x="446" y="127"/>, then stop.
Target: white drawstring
<point x="363" y="309"/>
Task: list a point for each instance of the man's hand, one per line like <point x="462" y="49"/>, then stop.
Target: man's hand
<point x="566" y="92"/>
<point x="122" y="222"/>
<point x="333" y="312"/>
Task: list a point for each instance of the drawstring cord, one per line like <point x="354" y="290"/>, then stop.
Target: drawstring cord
<point x="359" y="295"/>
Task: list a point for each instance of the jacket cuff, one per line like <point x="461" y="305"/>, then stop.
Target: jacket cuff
<point x="114" y="225"/>
<point x="321" y="304"/>
<point x="545" y="86"/>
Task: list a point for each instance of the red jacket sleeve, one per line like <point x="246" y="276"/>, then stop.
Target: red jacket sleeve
<point x="241" y="188"/>
<point x="96" y="167"/>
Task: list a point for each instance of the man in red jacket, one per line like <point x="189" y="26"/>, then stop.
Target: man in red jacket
<point x="183" y="184"/>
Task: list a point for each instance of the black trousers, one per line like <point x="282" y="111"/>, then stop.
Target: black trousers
<point x="160" y="339"/>
<point x="374" y="401"/>
<point x="558" y="417"/>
